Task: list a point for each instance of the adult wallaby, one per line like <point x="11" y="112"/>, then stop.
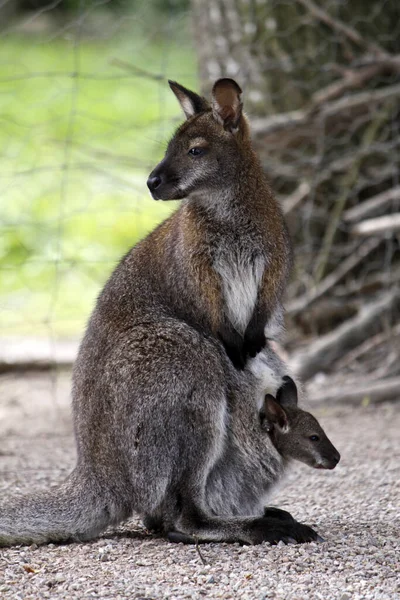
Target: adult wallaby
<point x="152" y="384"/>
<point x="222" y="260"/>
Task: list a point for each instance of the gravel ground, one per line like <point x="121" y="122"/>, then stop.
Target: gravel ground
<point x="355" y="508"/>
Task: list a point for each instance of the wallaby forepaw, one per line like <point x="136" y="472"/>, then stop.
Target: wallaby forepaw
<point x="254" y="344"/>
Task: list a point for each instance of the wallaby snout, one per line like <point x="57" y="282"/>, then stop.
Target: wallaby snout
<point x="329" y="460"/>
<point x="153" y="182"/>
<point x="163" y="182"/>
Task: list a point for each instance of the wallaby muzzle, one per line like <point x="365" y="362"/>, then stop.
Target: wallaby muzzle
<point x="163" y="183"/>
<point x="329" y="462"/>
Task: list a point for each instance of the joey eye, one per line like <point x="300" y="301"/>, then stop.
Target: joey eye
<point x="314" y="438"/>
<point x="197" y="151"/>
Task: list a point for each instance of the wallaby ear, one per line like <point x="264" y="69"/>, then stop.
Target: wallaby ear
<point x="287" y="393"/>
<point x="227" y="103"/>
<point x="191" y="103"/>
<point x="274" y="413"/>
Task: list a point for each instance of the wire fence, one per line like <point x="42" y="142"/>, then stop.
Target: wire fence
<point x="85" y="114"/>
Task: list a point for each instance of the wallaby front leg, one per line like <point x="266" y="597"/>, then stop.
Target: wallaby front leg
<point x="254" y="337"/>
<point x="233" y="344"/>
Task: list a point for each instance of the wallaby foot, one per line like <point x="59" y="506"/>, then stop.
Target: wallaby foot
<point x="196" y="526"/>
<point x="255" y="531"/>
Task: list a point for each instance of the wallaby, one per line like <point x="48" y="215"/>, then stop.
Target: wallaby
<point x="295" y="434"/>
<point x="199" y="467"/>
<point x="154" y="392"/>
<point x="226" y="252"/>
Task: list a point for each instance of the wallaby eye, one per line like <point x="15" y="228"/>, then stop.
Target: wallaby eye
<point x="314" y="438"/>
<point x="197" y="151"/>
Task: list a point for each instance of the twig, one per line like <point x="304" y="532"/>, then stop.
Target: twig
<point x="355" y="393"/>
<point x="203" y="560"/>
<point x="363" y="99"/>
<point x="370" y="283"/>
<point x="352" y="34"/>
<point x="355" y="78"/>
<point x="380" y="225"/>
<point x="366" y="346"/>
<point x="328" y="110"/>
<point x="296" y="198"/>
<point x="372" y="205"/>
<point x="349" y="181"/>
<point x="138" y="71"/>
<point x="321" y="354"/>
<point x="300" y="304"/>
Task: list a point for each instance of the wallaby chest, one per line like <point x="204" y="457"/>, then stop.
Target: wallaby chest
<point x="241" y="270"/>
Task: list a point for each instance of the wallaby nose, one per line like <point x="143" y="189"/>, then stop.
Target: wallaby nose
<point x="334" y="459"/>
<point x="153" y="182"/>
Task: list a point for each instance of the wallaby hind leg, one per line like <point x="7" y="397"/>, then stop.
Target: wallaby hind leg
<point x="196" y="526"/>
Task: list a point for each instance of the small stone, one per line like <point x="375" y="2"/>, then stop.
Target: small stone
<point x="210" y="579"/>
<point x="104" y="556"/>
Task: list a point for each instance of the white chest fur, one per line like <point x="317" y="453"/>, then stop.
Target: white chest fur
<point x="241" y="280"/>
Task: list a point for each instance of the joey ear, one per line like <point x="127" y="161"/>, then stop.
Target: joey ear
<point x="227" y="103"/>
<point x="287" y="393"/>
<point x="191" y="103"/>
<point x="274" y="413"/>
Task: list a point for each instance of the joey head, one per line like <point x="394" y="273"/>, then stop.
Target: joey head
<point x="296" y="433"/>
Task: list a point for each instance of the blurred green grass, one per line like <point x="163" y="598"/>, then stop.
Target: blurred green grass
<point x="75" y="154"/>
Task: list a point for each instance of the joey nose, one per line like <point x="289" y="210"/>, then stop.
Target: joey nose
<point x="153" y="182"/>
<point x="334" y="460"/>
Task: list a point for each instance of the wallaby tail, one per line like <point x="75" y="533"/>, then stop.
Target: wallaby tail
<point x="77" y="510"/>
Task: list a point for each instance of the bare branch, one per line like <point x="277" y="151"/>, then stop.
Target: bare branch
<point x="336" y="214"/>
<point x="380" y="225"/>
<point x="355" y="393"/>
<point x="363" y="101"/>
<point x="349" y="32"/>
<point x="344" y="268"/>
<point x="322" y="353"/>
<point x="367" y="346"/>
<point x="137" y="71"/>
<point x="292" y="202"/>
<point x="356" y="78"/>
<point x="372" y="205"/>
